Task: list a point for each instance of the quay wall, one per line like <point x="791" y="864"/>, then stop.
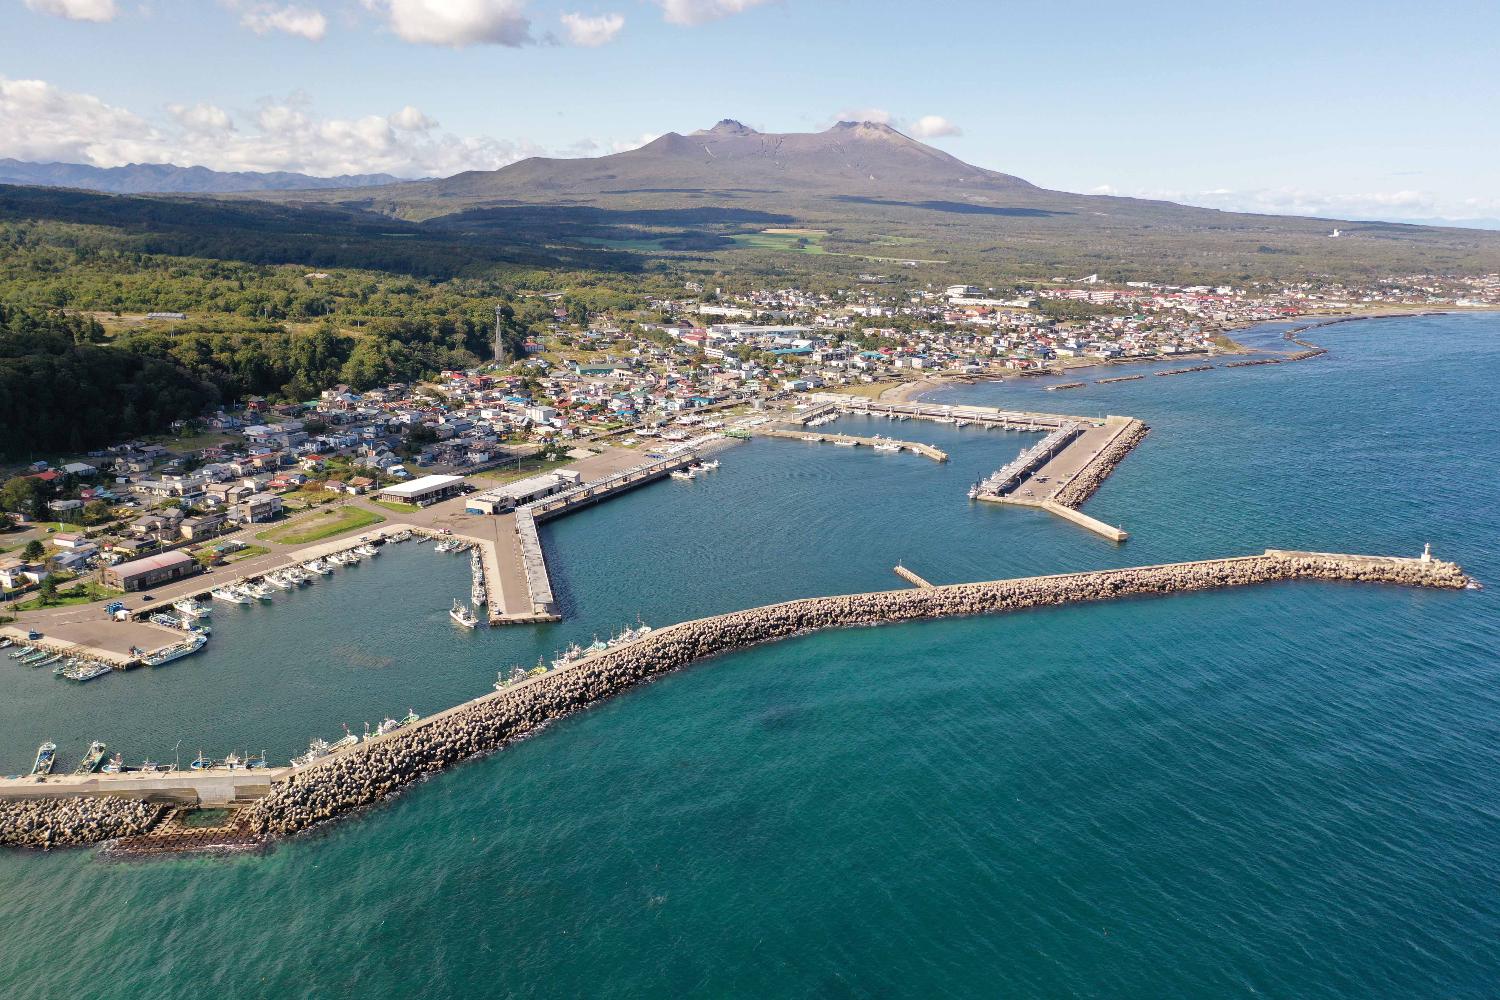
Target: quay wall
<point x="1088" y="480"/>
<point x="366" y="774"/>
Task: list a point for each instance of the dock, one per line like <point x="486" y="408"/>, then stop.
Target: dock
<point x="911" y="578"/>
<point x="850" y="440"/>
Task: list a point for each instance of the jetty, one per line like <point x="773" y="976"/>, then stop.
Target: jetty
<point x="56" y="811"/>
<point x="850" y="440"/>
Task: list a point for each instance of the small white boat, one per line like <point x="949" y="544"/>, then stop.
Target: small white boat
<point x="279" y="581"/>
<point x="463" y="616"/>
<point x="685" y="475"/>
<point x="319" y="566"/>
<point x="191" y="608"/>
<point x="259" y="590"/>
<point x="229" y="595"/>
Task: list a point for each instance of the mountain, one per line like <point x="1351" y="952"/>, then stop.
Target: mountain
<point x="168" y="178"/>
<point x="862" y="192"/>
<point x="850" y="157"/>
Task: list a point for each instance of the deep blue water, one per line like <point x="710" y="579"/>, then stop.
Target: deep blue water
<point x="1284" y="791"/>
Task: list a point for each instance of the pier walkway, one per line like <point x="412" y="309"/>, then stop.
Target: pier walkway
<point x="819" y="437"/>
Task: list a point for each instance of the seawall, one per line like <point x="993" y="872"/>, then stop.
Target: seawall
<point x="371" y="771"/>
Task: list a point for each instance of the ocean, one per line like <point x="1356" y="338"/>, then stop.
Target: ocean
<point x="1291" y="790"/>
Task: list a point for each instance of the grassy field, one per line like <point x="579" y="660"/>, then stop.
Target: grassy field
<point x="795" y="240"/>
<point x="85" y="594"/>
<point x="397" y="506"/>
<point x="324" y="524"/>
<point x="526" y="467"/>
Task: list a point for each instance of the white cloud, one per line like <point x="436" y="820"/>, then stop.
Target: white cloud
<point x="878" y="115"/>
<point x="702" y="11"/>
<point x="300" y="21"/>
<point x="457" y="23"/>
<point x="411" y="120"/>
<point x="76" y="10"/>
<point x="201" y="117"/>
<point x="41" y="122"/>
<point x="591" y="32"/>
<point x="934" y="127"/>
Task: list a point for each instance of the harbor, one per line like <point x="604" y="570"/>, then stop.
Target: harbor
<point x="1055" y="475"/>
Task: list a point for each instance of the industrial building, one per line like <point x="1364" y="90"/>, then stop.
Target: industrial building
<point x="503" y="499"/>
<point x="425" y="491"/>
<point x="141" y="574"/>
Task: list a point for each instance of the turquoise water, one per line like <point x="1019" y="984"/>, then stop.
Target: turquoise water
<point x="1285" y="791"/>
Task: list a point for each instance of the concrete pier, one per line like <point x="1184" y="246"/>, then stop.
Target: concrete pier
<point x="911" y="578"/>
<point x="816" y="437"/>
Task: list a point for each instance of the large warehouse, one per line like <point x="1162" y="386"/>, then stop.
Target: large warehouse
<point x="141" y="574"/>
<point x="503" y="499"/>
<point x="426" y="490"/>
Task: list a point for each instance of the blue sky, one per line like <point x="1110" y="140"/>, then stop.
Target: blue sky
<point x="1337" y="108"/>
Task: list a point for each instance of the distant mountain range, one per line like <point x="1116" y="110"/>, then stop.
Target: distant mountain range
<point x="168" y="178"/>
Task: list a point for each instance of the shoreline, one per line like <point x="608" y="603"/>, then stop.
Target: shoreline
<point x="916" y="390"/>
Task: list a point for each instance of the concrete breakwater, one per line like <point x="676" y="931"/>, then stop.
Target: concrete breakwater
<point x="74" y="821"/>
<point x="365" y="774"/>
<point x="1093" y="475"/>
<point x="362" y="775"/>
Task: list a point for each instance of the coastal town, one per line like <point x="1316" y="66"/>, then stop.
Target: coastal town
<point x="648" y="380"/>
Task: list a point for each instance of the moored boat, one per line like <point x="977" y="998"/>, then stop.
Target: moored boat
<point x="191" y="608"/>
<point x="46" y="756"/>
<point x="92" y="760"/>
<point x="229" y="595"/>
<point x="461" y="615"/>
<point x="177" y="651"/>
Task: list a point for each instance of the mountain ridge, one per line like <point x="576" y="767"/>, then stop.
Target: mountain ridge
<point x="170" y="178"/>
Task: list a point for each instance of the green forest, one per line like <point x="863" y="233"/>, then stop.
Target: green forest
<point x="79" y="367"/>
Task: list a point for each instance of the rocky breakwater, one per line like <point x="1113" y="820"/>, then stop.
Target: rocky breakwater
<point x="365" y="774"/>
<point x="1092" y="476"/>
<point x="71" y="821"/>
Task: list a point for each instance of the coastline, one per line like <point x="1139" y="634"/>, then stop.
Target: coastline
<point x="917" y="389"/>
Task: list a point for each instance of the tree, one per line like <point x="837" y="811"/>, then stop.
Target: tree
<point x="49" y="590"/>
<point x="33" y="551"/>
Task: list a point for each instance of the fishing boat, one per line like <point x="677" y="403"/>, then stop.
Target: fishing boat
<point x="176" y="652"/>
<point x="387" y="725"/>
<point x="256" y="762"/>
<point x="344" y="742"/>
<point x="278" y="581"/>
<point x="115" y="766"/>
<point x="369" y="550"/>
<point x="32" y="655"/>
<point x="167" y="621"/>
<point x="316" y="750"/>
<point x="461" y="615"/>
<point x="569" y="655"/>
<point x="709" y="466"/>
<point x="259" y="590"/>
<point x="410" y="717"/>
<point x="6" y="643"/>
<point x="49" y="660"/>
<point x="229" y="595"/>
<point x="319" y="566"/>
<point x="974" y="491"/>
<point x="887" y="446"/>
<point x="150" y="766"/>
<point x="233" y="761"/>
<point x="86" y="671"/>
<point x="201" y="763"/>
<point x="191" y="608"/>
<point x="845" y="443"/>
<point x="92" y="760"/>
<point x="685" y="475"/>
<point x="46" y="756"/>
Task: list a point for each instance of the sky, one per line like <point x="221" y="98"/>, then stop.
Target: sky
<point x="1322" y="107"/>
